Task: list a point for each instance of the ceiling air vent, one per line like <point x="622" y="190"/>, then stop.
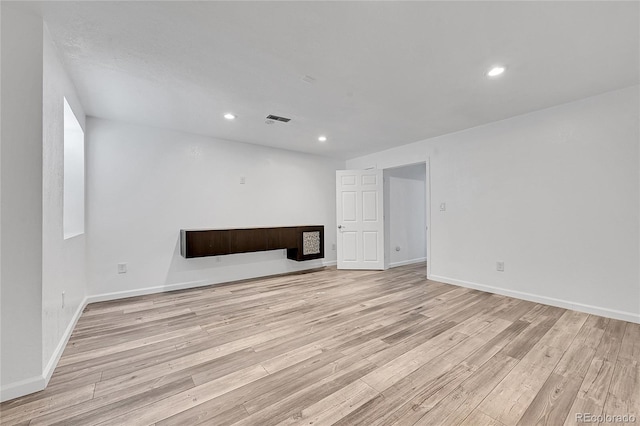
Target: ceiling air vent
<point x="276" y="118"/>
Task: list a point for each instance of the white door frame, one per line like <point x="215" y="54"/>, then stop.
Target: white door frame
<point x="427" y="162"/>
<point x="427" y="212"/>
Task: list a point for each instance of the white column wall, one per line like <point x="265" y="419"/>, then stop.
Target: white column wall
<point x="63" y="260"/>
<point x="21" y="203"/>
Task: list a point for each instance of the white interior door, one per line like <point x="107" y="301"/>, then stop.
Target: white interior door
<point x="360" y="242"/>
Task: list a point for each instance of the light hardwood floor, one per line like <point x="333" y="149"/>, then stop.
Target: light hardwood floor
<point x="337" y="347"/>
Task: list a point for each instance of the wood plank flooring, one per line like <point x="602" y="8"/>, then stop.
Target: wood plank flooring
<point x="337" y="347"/>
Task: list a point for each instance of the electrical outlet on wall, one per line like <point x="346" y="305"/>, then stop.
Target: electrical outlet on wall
<point x="500" y="266"/>
<point x="333" y="246"/>
<point x="122" y="268"/>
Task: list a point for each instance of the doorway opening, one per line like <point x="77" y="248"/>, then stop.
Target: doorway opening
<point x="405" y="215"/>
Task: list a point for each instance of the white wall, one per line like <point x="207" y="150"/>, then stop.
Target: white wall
<point x="405" y="214"/>
<point x="145" y="184"/>
<point x="63" y="260"/>
<point x="21" y="203"/>
<point x="554" y="194"/>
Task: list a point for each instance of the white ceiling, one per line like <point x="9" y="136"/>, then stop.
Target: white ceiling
<point x="386" y="73"/>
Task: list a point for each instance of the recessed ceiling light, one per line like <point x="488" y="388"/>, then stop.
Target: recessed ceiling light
<point x="496" y="71"/>
<point x="229" y="116"/>
<point x="322" y="138"/>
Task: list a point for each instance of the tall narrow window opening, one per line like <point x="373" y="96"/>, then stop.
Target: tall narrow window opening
<point x="73" y="216"/>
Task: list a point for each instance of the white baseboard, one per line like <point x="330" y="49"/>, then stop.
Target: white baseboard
<point x="589" y="309"/>
<point x="38" y="383"/>
<point x="407" y="262"/>
<point x="330" y="263"/>
<point x="23" y="387"/>
<point x="57" y="353"/>
<point x="104" y="297"/>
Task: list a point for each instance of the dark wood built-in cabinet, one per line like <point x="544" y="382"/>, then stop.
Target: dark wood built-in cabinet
<point x="301" y="242"/>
